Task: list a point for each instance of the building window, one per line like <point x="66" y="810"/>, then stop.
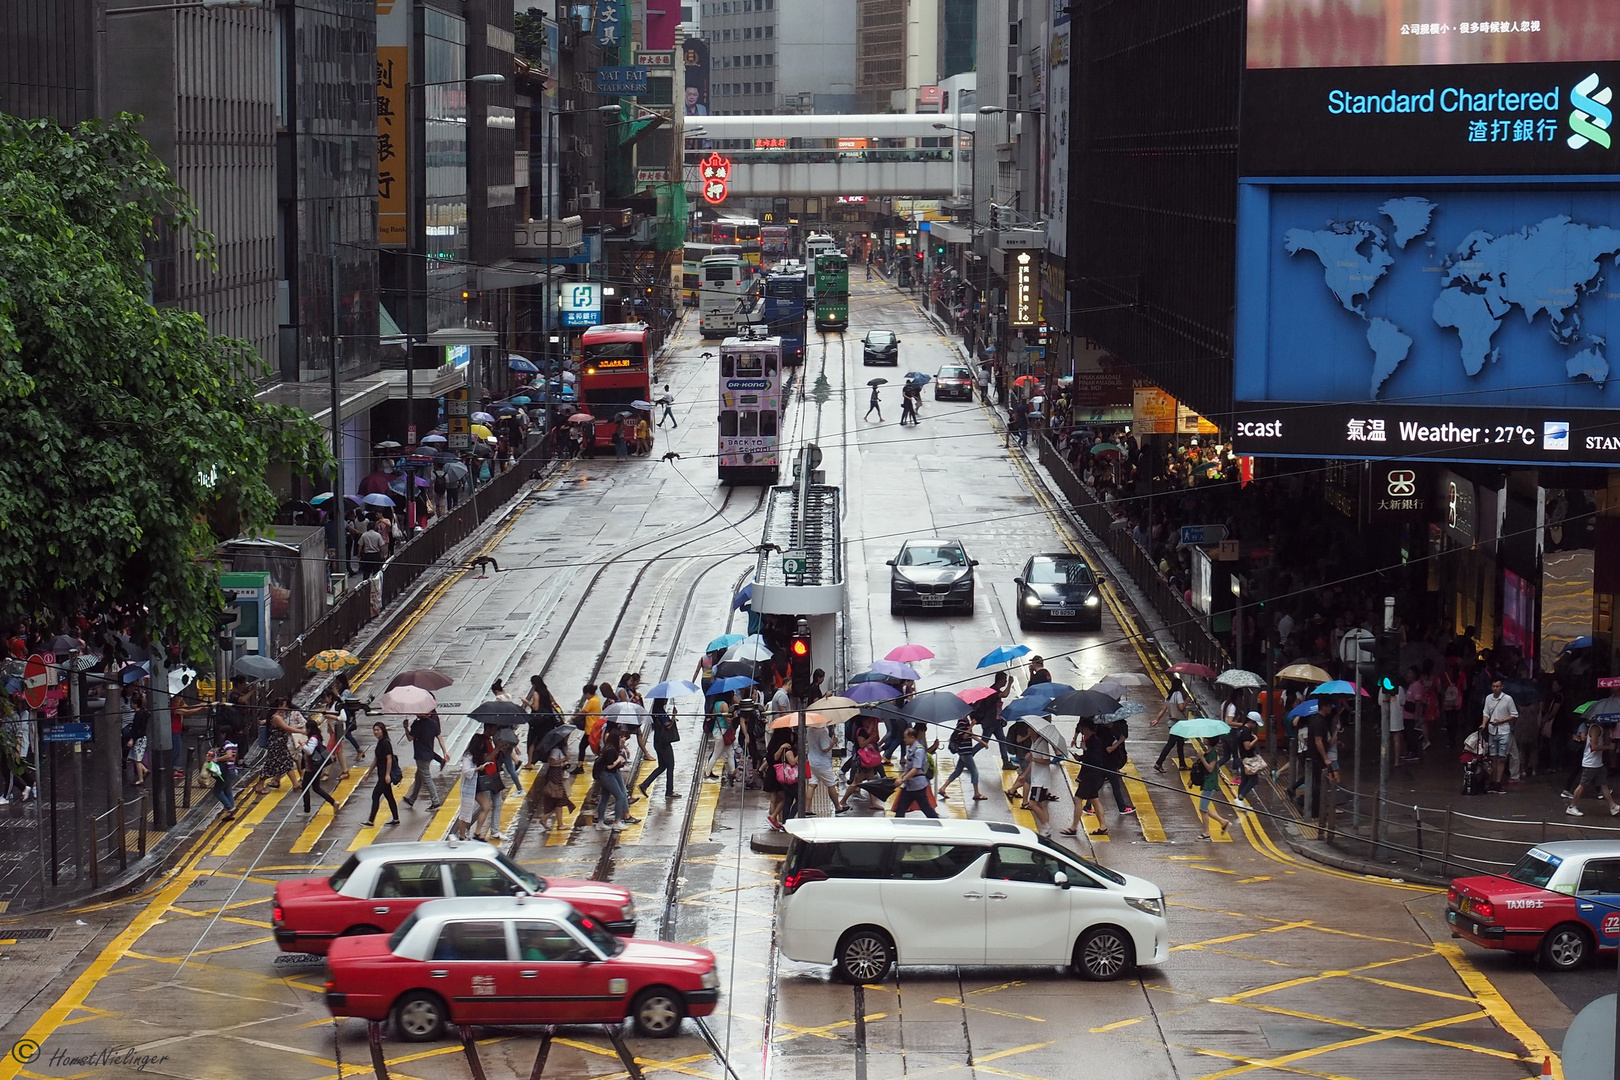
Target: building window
<point x="770" y="5"/>
<point x="748" y="5"/>
<point x="770" y="31"/>
<point x="747" y="61"/>
<point x="748" y="33"/>
<point x="768" y="89"/>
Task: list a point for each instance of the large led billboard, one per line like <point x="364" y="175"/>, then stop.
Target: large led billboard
<point x="1428" y="231"/>
<point x="1435" y="87"/>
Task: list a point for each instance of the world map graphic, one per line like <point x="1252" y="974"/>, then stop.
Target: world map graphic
<point x="1541" y="273"/>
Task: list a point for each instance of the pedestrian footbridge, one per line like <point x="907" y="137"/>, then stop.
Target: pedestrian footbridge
<point x="831" y="155"/>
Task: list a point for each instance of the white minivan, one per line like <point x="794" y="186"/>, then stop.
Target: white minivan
<point x="865" y="894"/>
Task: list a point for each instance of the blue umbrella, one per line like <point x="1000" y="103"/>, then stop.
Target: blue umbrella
<point x="1202" y="727"/>
<point x="1582" y="642"/>
<point x="1337" y="686"/>
<point x="517" y="363"/>
<point x="1046" y="691"/>
<point x="736" y="682"/>
<point x="522" y="399"/>
<point x="1003" y="654"/>
<point x="894" y="669"/>
<point x="377" y="498"/>
<point x="1019" y="708"/>
<point x="871" y="691"/>
<point x="318" y="499"/>
<point x="1126" y="709"/>
<point x="722" y="643"/>
<point x="674" y="688"/>
<point x="743" y="598"/>
<point x="133" y="673"/>
<point x="918" y="377"/>
<point x="1304" y="708"/>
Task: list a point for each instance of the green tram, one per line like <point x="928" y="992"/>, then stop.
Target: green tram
<point x="832" y="291"/>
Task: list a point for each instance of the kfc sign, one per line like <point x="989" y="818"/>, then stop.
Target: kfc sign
<point x="716" y="173"/>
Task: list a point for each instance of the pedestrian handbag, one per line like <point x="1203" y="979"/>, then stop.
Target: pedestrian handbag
<point x="1254" y="765"/>
<point x="396" y="775"/>
<point x="786" y="773"/>
<point x="869" y="757"/>
<point x="488" y="782"/>
<point x="1198" y="774"/>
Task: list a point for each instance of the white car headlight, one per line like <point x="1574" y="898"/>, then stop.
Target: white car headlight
<point x="628" y="914"/>
<point x="1152" y="905"/>
<point x="1092" y="601"/>
<point x="1032" y="601"/>
<point x="710" y="980"/>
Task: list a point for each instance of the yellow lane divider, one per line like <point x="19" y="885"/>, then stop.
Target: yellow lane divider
<point x="321" y="822"/>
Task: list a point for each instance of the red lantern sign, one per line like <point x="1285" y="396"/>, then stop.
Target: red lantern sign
<point x="716" y="173"/>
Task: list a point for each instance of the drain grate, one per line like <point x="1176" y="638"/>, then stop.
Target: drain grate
<point x="26" y="935"/>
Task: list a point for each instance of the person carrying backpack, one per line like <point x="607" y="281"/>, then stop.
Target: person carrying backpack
<point x="964" y="743"/>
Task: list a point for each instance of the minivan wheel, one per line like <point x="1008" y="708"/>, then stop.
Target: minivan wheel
<point x="1565" y="947"/>
<point x="1103" y="953"/>
<point x="420" y="1016"/>
<point x="865" y="956"/>
<point x="657" y="1012"/>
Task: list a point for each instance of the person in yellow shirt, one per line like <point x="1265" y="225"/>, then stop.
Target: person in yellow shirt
<point x="643" y="437"/>
<point x="588" y="718"/>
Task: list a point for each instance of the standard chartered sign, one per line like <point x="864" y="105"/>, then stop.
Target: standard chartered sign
<point x="1591" y="117"/>
<point x="1498" y="115"/>
<point x="1452" y="99"/>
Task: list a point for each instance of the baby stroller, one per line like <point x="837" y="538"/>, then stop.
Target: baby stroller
<point x="1475" y="765"/>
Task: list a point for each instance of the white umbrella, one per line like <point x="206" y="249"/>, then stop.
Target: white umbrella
<point x="1048" y="732"/>
<point x="1238" y="679"/>
<point x="1128" y="678"/>
<point x="181" y="678"/>
<point x="749" y="650"/>
<point x="626" y="712"/>
<point x="837" y="709"/>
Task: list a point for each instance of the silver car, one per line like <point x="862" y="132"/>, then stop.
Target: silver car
<point x="931" y="575"/>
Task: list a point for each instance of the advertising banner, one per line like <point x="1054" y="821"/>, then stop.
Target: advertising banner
<point x="393" y="71"/>
<point x="580" y="304"/>
<point x="695" y="52"/>
<point x="1153" y="412"/>
<point x="1055" y="200"/>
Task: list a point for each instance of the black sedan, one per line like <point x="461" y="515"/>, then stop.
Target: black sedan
<point x="931" y="575"/>
<point x="880" y="347"/>
<point x="953" y="381"/>
<point x="1059" y="588"/>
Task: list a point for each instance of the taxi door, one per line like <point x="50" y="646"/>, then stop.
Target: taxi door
<point x="1597" y="900"/>
<point x="556" y="979"/>
<point x="462" y="970"/>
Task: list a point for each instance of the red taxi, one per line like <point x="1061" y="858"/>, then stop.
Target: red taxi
<point x="382" y="884"/>
<point x="516" y="960"/>
<point x="1561" y="902"/>
<point x="953" y="381"/>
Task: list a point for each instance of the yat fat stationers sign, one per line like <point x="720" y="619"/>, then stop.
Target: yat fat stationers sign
<point x="1024" y="309"/>
<point x="581" y="304"/>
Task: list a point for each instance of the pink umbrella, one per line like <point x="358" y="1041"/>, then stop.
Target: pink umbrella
<point x="407" y="701"/>
<point x="977" y="693"/>
<point x="908" y="654"/>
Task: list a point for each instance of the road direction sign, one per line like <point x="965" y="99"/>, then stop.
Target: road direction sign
<point x="1196" y="535"/>
<point x="36" y="678"/>
<point x="1608" y="682"/>
<point x="74" y="732"/>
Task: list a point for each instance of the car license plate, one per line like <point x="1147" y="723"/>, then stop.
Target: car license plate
<point x="931" y="600"/>
<point x="1061" y="612"/>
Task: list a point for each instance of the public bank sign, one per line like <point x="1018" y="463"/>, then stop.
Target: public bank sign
<point x="1477" y="119"/>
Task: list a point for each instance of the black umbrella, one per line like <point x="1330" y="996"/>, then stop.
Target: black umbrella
<point x="557" y="736"/>
<point x="877" y="382"/>
<point x="64" y="644"/>
<point x="725" y="669"/>
<point x="422" y="678"/>
<point x="937" y="707"/>
<point x="257" y="668"/>
<point x="1083" y="703"/>
<point x="500" y="714"/>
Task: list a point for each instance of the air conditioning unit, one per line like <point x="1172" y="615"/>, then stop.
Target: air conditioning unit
<point x="590" y="198"/>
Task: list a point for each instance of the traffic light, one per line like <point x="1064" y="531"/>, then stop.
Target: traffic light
<point x="799" y="658"/>
<point x="227" y="621"/>
<point x="1387" y="655"/>
<point x="939" y="247"/>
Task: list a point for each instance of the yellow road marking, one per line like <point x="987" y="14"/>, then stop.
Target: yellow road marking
<point x="1491" y="1000"/>
<point x="1250" y="1064"/>
<point x="368" y="834"/>
<point x="570" y="818"/>
<point x="1142" y="798"/>
<point x="1117" y="1024"/>
<point x="703" y="816"/>
<point x="1252" y="880"/>
<point x="319" y="824"/>
<point x="244" y="825"/>
<point x="444" y="818"/>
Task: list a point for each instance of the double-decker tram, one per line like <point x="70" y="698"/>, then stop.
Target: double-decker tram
<point x="617" y="372"/>
<point x="816" y="244"/>
<point x="725" y="299"/>
<point x="750" y="407"/>
<point x="774" y="242"/>
<point x="832" y="291"/>
<point x="739" y="230"/>
<point x="692" y="257"/>
<point x="786" y="313"/>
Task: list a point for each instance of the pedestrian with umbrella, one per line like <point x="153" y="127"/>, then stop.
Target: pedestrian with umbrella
<point x="1593" y="774"/>
<point x="1094" y="745"/>
<point x="910" y="394"/>
<point x="426" y="735"/>
<point x="666" y="734"/>
<point x="553" y="751"/>
<point x="875" y="405"/>
<point x="1174" y="710"/>
<point x="608" y="774"/>
<point x="1206" y="774"/>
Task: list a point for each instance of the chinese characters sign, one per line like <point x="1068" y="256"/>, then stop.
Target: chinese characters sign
<point x="1025" y="290"/>
<point x="715" y="172"/>
<point x="580" y="304"/>
<point x="608" y="25"/>
<point x="393" y="67"/>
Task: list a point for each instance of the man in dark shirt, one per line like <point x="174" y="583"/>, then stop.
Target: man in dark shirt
<point x="425" y="736"/>
<point x="1037" y="671"/>
<point x="1320" y="737"/>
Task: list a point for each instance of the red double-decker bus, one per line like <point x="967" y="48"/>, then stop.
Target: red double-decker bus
<point x="617" y="372"/>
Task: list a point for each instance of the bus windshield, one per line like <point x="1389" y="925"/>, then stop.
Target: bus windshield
<point x="598" y="352"/>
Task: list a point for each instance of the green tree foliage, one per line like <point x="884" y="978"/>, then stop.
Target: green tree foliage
<point x="530" y="27"/>
<point x="130" y="437"/>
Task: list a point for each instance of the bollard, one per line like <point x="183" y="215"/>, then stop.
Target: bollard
<point x="1445" y="846"/>
<point x="185" y="791"/>
<point x="616" y="1036"/>
<point x="142" y="841"/>
<point x="1417" y="814"/>
<point x="123" y="838"/>
<point x="95" y="857"/>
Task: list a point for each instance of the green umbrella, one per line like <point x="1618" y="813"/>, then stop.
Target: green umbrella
<point x="1202" y="727"/>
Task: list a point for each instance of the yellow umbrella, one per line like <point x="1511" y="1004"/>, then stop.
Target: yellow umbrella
<point x="481" y="431"/>
<point x="333" y="660"/>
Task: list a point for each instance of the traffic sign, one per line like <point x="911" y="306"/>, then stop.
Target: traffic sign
<point x="1196" y="535"/>
<point x="794" y="562"/>
<point x="74" y="732"/>
<point x="1608" y="682"/>
<point x="1352" y="638"/>
<point x="36" y="678"/>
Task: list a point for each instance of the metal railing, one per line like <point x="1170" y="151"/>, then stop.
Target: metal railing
<point x="1181" y="621"/>
<point x="114" y="834"/>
